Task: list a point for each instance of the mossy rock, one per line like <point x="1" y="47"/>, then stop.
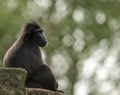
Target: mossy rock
<point x="12" y="81"/>
<point x="38" y="91"/>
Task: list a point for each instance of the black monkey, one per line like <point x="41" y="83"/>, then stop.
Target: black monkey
<point x="25" y="53"/>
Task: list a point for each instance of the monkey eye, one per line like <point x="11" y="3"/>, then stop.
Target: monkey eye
<point x="39" y="30"/>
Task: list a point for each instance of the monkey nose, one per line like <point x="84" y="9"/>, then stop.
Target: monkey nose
<point x="43" y="44"/>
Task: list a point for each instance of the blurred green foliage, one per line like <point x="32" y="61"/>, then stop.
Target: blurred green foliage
<point x="83" y="37"/>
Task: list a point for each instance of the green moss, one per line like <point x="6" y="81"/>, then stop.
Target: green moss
<point x="12" y="81"/>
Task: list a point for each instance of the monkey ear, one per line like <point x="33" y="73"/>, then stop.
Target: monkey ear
<point x="28" y="32"/>
<point x="28" y="35"/>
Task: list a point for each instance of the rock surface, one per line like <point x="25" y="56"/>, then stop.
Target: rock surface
<point x="34" y="91"/>
<point x="12" y="82"/>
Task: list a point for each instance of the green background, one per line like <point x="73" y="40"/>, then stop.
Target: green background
<point x="83" y="37"/>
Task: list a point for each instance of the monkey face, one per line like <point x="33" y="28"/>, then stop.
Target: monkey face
<point x="35" y="34"/>
<point x="39" y="38"/>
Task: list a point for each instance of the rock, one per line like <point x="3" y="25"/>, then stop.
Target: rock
<point x="12" y="81"/>
<point x="38" y="91"/>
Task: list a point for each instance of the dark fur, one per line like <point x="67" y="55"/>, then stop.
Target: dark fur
<point x="25" y="53"/>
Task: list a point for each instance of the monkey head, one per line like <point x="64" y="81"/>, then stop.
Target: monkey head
<point x="35" y="34"/>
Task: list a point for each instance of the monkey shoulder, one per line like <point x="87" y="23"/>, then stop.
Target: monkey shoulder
<point x="15" y="53"/>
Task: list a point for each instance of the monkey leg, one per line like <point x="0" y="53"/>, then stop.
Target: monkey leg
<point x="33" y="85"/>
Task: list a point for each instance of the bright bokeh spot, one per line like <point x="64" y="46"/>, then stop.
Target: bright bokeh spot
<point x="78" y="15"/>
<point x="59" y="62"/>
<point x="81" y="88"/>
<point x="100" y="17"/>
<point x="79" y="40"/>
<point x="68" y="40"/>
<point x="43" y="3"/>
<point x="12" y="4"/>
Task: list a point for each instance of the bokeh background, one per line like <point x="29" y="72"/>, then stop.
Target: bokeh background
<point x="83" y="36"/>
